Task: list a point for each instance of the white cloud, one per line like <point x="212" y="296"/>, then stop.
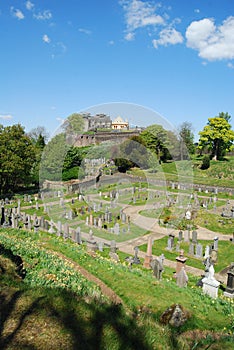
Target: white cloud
<point x="197" y="11"/>
<point x="29" y="5"/>
<point x="168" y="36"/>
<point x="111" y="42"/>
<point x="46" y="39"/>
<point x="230" y="65"/>
<point x="17" y="13"/>
<point x="129" y="36"/>
<point x="45" y="15"/>
<point x="85" y="31"/>
<point x="140" y="14"/>
<point x="211" y="41"/>
<point x="6" y="116"/>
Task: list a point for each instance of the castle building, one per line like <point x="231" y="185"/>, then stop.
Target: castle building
<point x="120" y="124"/>
<point x="98" y="121"/>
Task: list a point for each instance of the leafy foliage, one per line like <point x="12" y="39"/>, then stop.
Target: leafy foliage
<point x="156" y="139"/>
<point x="17" y="156"/>
<point x="186" y="140"/>
<point x="74" y="124"/>
<point x="205" y="162"/>
<point x="217" y="136"/>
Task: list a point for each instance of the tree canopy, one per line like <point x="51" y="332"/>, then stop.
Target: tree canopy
<point x="217" y="136"/>
<point x="17" y="157"/>
<point x="156" y="139"/>
<point x="74" y="124"/>
<point x="186" y="140"/>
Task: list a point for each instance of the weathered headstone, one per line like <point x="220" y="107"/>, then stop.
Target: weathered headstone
<point x="180" y="261"/>
<point x="148" y="256"/>
<point x="182" y="278"/>
<point x="194" y="236"/>
<point x="116" y="229"/>
<point x="78" y="235"/>
<point x="180" y="236"/>
<point x="113" y="247"/>
<point x="229" y="290"/>
<point x="216" y="240"/>
<point x="100" y="246"/>
<point x="65" y="231"/>
<point x="157" y="267"/>
<point x="186" y="235"/>
<point x="191" y="249"/>
<point x="199" y="252"/>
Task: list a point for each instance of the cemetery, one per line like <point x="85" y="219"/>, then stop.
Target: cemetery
<point x="122" y="230"/>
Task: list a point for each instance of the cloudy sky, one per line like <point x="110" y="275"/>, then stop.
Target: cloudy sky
<point x="175" y="57"/>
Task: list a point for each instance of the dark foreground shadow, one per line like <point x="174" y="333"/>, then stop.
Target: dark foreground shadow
<point x="88" y="325"/>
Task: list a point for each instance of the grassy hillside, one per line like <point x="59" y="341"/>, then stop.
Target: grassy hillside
<point x="220" y="173"/>
<point x="55" y="307"/>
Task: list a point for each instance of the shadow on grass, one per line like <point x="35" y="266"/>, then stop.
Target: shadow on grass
<point x="89" y="324"/>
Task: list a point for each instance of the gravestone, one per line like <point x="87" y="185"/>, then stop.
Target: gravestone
<point x="194" y="236"/>
<point x="65" y="231"/>
<point x="157" y="267"/>
<point x="42" y="222"/>
<point x="214" y="256"/>
<point x="36" y="225"/>
<point x="116" y="229"/>
<point x="91" y="220"/>
<point x="136" y="259"/>
<point x="51" y="229"/>
<point x="180" y="236"/>
<point x="18" y="207"/>
<point x="210" y="284"/>
<point x="148" y="256"/>
<point x="3" y="216"/>
<point x="191" y="249"/>
<point x="113" y="247"/>
<point x="170" y="242"/>
<point x="182" y="278"/>
<point x="186" y="235"/>
<point x="180" y="261"/>
<point x="59" y="228"/>
<point x="216" y="240"/>
<point x="229" y="290"/>
<point x="199" y="252"/>
<point x="78" y="235"/>
<point x="123" y="218"/>
<point x="99" y="223"/>
<point x="100" y="246"/>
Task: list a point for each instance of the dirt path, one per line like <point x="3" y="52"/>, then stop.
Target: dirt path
<point x="151" y="224"/>
<point x="108" y="292"/>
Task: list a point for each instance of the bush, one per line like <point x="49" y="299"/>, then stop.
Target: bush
<point x="205" y="163"/>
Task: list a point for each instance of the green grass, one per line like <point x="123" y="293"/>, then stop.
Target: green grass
<point x="225" y="252"/>
<point x="220" y="173"/>
<point x="59" y="317"/>
<point x="215" y="222"/>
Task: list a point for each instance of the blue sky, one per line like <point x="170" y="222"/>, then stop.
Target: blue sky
<point x="175" y="57"/>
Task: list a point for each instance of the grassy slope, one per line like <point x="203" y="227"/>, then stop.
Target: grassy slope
<point x="41" y="316"/>
<point x="220" y="173"/>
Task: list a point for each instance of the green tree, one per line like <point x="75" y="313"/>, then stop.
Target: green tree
<point x="217" y="136"/>
<point x="52" y="160"/>
<point x="156" y="139"/>
<point x="17" y="157"/>
<point x="74" y="124"/>
<point x="186" y="140"/>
